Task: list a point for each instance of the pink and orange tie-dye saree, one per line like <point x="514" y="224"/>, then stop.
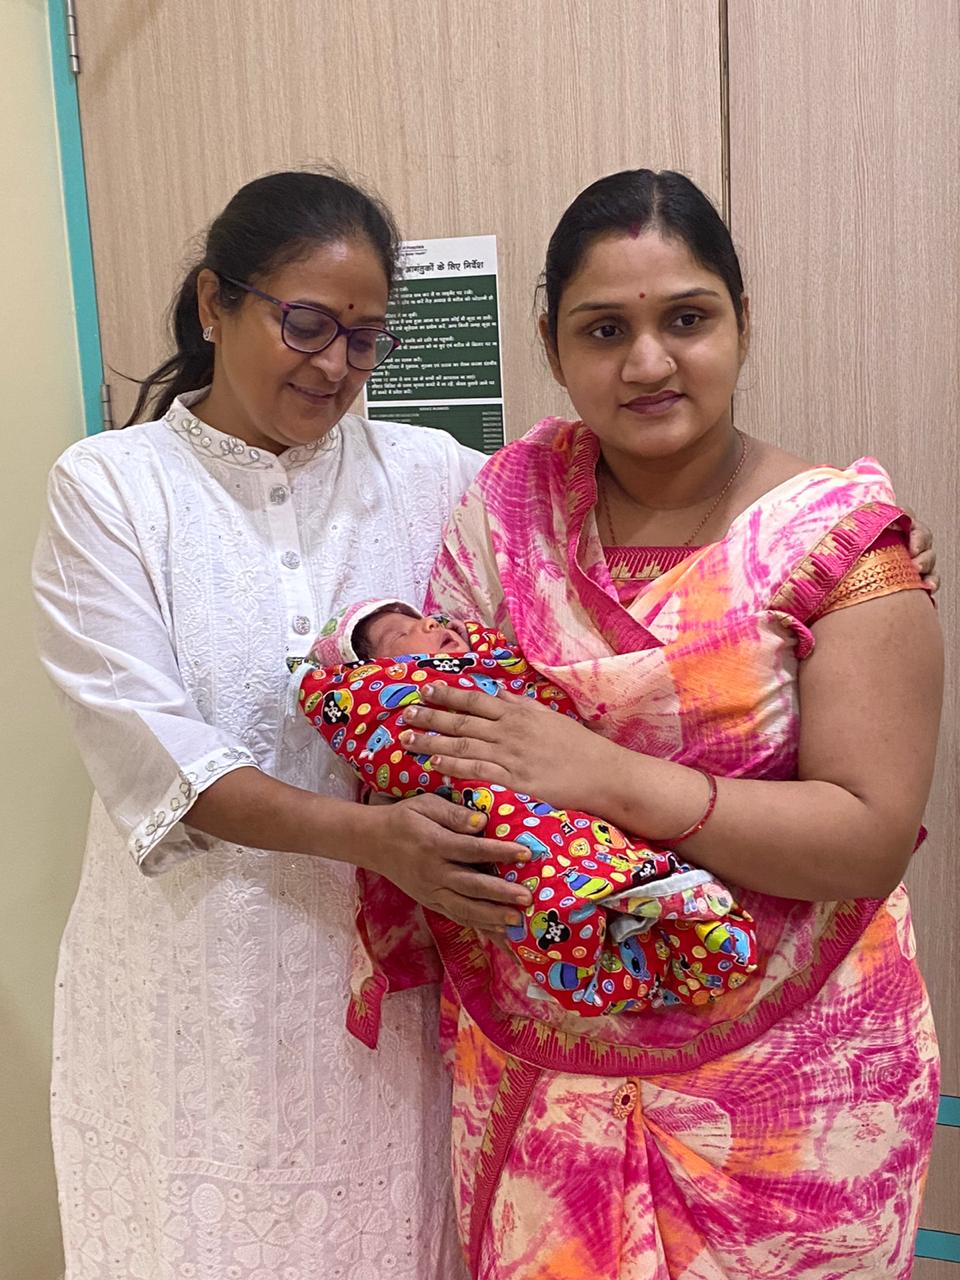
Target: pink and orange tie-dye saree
<point x="784" y="1132"/>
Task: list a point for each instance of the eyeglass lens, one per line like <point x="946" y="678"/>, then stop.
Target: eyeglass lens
<point x="307" y="330"/>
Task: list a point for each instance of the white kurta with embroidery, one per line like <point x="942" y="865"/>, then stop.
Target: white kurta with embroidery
<point x="212" y="1117"/>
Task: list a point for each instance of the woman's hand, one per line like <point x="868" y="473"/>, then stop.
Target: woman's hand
<point x="428" y="848"/>
<point x="924" y="554"/>
<point x="510" y="741"/>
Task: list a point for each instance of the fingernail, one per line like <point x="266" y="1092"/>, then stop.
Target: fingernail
<point x="406" y="737"/>
<point x="428" y="690"/>
<point x="411" y="713"/>
<point x="434" y="759"/>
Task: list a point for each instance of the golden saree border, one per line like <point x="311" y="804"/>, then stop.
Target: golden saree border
<point x="813" y="582"/>
<point x="879" y="573"/>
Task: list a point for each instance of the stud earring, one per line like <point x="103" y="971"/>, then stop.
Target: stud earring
<point x="208" y="333"/>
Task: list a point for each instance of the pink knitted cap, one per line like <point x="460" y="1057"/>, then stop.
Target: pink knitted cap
<point x="334" y="644"/>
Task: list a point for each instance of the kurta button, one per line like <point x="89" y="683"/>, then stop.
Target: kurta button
<point x="301" y="625"/>
<point x="291" y="559"/>
<point x="625" y="1099"/>
<point x="279" y="494"/>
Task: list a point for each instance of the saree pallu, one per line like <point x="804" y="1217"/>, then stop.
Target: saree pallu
<point x="785" y="1131"/>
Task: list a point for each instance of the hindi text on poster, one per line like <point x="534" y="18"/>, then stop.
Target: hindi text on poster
<point x="447" y="373"/>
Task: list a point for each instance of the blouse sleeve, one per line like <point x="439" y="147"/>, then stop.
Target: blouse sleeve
<point x="884" y="569"/>
<point x="105" y="643"/>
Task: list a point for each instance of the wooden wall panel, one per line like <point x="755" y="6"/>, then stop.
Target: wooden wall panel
<point x="930" y="1269"/>
<point x="845" y="185"/>
<point x="469" y="118"/>
<point x="940" y="1204"/>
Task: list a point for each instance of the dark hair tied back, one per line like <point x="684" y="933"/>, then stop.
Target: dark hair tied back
<point x="270" y="222"/>
<point x="632" y="202"/>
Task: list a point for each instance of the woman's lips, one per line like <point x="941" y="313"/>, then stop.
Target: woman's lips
<point x="649" y="406"/>
<point x="310" y="395"/>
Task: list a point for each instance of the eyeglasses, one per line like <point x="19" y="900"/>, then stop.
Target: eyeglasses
<point x="309" y="330"/>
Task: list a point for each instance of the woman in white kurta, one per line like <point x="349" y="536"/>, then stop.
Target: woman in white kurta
<point x="212" y="1118"/>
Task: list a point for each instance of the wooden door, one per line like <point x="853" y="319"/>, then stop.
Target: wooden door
<point x="845" y="185"/>
<point x="469" y="118"/>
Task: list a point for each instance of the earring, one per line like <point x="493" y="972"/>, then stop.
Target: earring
<point x="208" y="333"/>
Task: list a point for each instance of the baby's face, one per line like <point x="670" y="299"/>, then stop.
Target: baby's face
<point x="392" y="634"/>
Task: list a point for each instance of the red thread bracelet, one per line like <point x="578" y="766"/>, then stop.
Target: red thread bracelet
<point x="697" y="826"/>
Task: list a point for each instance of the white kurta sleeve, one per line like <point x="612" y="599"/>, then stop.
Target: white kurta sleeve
<point x="104" y="638"/>
<point x="465" y="465"/>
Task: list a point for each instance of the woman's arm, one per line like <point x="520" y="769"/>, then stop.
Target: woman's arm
<point x="870" y="706"/>
<point x="424" y="845"/>
<point x="870" y="699"/>
<point x="104" y="638"/>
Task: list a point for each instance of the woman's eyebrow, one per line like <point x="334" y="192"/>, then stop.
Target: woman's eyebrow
<point x="618" y="306"/>
<point x="595" y="306"/>
<point x="693" y="293"/>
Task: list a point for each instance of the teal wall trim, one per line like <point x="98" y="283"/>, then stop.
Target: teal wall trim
<point x="77" y="217"/>
<point x="944" y="1245"/>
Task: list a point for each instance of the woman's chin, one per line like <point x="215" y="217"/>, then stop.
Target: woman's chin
<point x="308" y="427"/>
<point x="652" y="438"/>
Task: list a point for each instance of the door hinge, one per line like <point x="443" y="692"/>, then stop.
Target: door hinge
<point x="106" y="407"/>
<point x="73" y="47"/>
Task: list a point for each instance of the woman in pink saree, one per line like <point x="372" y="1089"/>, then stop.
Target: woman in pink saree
<point x="741" y="631"/>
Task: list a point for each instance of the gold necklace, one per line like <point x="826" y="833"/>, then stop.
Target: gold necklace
<point x="605" y="500"/>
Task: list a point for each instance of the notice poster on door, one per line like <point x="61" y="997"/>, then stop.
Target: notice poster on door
<point x="447" y="373"/>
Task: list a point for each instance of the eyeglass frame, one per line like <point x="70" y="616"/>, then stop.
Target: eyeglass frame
<point x="287" y="307"/>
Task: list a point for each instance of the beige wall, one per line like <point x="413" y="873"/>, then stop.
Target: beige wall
<point x="44" y="790"/>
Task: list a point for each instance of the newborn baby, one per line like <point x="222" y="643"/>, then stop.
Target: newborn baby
<point x="616" y="925"/>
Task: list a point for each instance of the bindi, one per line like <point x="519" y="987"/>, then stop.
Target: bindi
<point x="641" y="295"/>
<point x="350" y="307"/>
<point x="634" y="231"/>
